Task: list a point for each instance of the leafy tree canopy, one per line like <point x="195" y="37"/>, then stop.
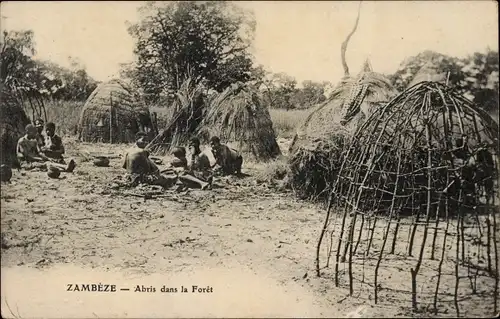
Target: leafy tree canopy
<point x="204" y="40"/>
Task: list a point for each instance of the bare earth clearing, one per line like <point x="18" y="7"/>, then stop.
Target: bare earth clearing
<point x="254" y="245"/>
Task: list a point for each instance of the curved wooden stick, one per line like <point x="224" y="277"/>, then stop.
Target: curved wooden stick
<point x="343" y="48"/>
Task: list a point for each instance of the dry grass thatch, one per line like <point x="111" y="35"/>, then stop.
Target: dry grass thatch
<point x="113" y="113"/>
<point x="316" y="150"/>
<point x="238" y="116"/>
<point x="13" y="121"/>
<point x="188" y="108"/>
<point x="431" y="154"/>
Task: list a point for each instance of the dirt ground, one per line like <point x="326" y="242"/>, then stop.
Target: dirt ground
<point x="254" y="245"/>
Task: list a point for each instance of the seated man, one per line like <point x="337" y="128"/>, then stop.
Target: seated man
<point x="30" y="156"/>
<point x="53" y="147"/>
<point x="142" y="169"/>
<point x="229" y="160"/>
<point x="137" y="159"/>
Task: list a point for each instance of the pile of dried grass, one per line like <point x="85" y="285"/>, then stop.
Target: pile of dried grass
<point x="239" y="116"/>
<point x="188" y="108"/>
<point x="314" y="164"/>
<point x="113" y="113"/>
<point x="13" y="121"/>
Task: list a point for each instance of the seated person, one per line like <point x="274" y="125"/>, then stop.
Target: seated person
<point x="30" y="156"/>
<point x="53" y="147"/>
<point x="40" y="139"/>
<point x="200" y="164"/>
<point x="179" y="157"/>
<point x="137" y="159"/>
<point x="182" y="172"/>
<point x="228" y="159"/>
<point x="199" y="161"/>
<point x="142" y="169"/>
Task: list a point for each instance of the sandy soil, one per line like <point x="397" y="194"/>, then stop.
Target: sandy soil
<point x="255" y="246"/>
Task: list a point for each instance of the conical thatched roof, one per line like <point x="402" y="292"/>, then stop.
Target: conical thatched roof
<point x="117" y="103"/>
<point x="428" y="72"/>
<point x="239" y="117"/>
<point x="317" y="148"/>
<point x="188" y="107"/>
<point x="367" y="66"/>
<point x="352" y="93"/>
<point x="13" y="121"/>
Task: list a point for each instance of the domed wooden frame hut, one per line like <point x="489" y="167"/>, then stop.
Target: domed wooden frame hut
<point x="239" y="118"/>
<point x="426" y="163"/>
<point x="114" y="113"/>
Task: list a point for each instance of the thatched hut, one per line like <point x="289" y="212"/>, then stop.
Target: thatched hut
<point x="240" y="118"/>
<point x="188" y="108"/>
<point x="114" y="113"/>
<point x="13" y="121"/>
<point x="317" y="146"/>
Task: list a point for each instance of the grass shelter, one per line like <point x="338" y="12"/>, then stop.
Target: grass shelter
<point x="316" y="150"/>
<point x="240" y="118"/>
<point x="114" y="113"/>
<point x="187" y="111"/>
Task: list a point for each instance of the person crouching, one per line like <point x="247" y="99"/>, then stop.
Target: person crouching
<point x="228" y="160"/>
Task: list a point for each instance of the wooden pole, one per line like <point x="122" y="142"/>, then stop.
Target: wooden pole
<point x="111" y="117"/>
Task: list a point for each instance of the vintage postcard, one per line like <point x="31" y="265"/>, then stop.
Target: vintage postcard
<point x="181" y="159"/>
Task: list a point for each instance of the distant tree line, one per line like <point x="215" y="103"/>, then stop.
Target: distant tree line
<point x="210" y="42"/>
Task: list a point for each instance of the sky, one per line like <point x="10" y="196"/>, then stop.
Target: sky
<point x="300" y="38"/>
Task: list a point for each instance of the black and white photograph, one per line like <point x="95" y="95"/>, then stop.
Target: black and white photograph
<point x="246" y="159"/>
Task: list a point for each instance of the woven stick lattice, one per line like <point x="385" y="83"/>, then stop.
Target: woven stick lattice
<point x="426" y="167"/>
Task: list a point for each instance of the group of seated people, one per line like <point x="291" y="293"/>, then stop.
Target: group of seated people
<point x="197" y="173"/>
<point x="40" y="148"/>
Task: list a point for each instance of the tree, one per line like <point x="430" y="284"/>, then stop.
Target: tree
<point x="312" y="93"/>
<point x="39" y="79"/>
<point x="475" y="76"/>
<point x="206" y="41"/>
<point x="64" y="83"/>
<point x="17" y="48"/>
<point x="481" y="79"/>
<point x="440" y="62"/>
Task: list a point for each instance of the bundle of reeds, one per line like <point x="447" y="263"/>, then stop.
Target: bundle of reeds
<point x="314" y="164"/>
<point x="189" y="106"/>
<point x="239" y="116"/>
